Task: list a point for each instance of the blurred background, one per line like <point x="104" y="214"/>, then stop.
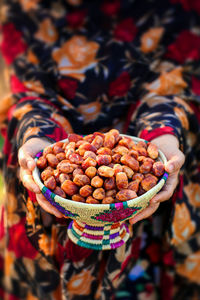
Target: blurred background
<point x="4" y="90"/>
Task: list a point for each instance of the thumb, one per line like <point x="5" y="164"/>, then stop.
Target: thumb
<point x="175" y="163"/>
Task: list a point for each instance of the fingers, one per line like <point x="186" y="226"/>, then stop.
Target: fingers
<point x="147" y="212"/>
<point x="27" y="180"/>
<point x="175" y="163"/>
<point x="43" y="202"/>
<point x="167" y="190"/>
<point x="25" y="160"/>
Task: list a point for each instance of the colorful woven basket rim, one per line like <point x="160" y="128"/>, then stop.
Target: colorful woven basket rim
<point x="147" y="196"/>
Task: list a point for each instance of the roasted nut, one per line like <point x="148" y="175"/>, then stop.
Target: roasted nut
<point x="78" y="198"/>
<point x="41" y="162"/>
<point x="52" y="160"/>
<point x="65" y="167"/>
<point x="103" y="159"/>
<point x="142" y="144"/>
<point x="111" y="193"/>
<point x="86" y="147"/>
<point x="158" y="168"/>
<point x="78" y="171"/>
<point x="125" y="195"/>
<point x="152" y="151"/>
<point x="48" y="172"/>
<point x="56" y="175"/>
<point x="104" y="151"/>
<point x="69" y="152"/>
<point x="116" y="158"/>
<point x="122" y="150"/>
<point x="50" y="183"/>
<point x="129" y="172"/>
<point x="108" y="200"/>
<point x="76" y="158"/>
<point x="127" y="142"/>
<point x="97" y="142"/>
<point x="73" y="137"/>
<point x="105" y="171"/>
<point x="91" y="172"/>
<point x="81" y="180"/>
<point x="88" y="138"/>
<point x="89" y="162"/>
<point x="58" y="191"/>
<point x="69" y="187"/>
<point x="141" y="158"/>
<point x="47" y="150"/>
<point x="91" y="200"/>
<point x="63" y="177"/>
<point x="81" y="142"/>
<point x="148" y="182"/>
<point x="121" y="180"/>
<point x="99" y="193"/>
<point x="109" y="140"/>
<point x="145" y="167"/>
<point x="141" y="151"/>
<point x="115" y="133"/>
<point x="141" y="191"/>
<point x="58" y="148"/>
<point x="138" y="177"/>
<point x="134" y="185"/>
<point x="97" y="182"/>
<point x="109" y="183"/>
<point x="61" y="156"/>
<point x="118" y="168"/>
<point x="89" y="154"/>
<point x="86" y="191"/>
<point x="133" y="153"/>
<point x="130" y="162"/>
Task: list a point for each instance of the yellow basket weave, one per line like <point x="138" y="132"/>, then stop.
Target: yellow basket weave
<point x="100" y="226"/>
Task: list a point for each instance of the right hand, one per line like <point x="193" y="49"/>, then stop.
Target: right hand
<point x="27" y="164"/>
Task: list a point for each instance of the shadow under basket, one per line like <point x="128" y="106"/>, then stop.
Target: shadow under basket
<point x="100" y="226"/>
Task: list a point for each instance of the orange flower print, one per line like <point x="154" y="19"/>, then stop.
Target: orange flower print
<point x="6" y="103"/>
<point x="183" y="103"/>
<point x="63" y="122"/>
<point x="182" y="117"/>
<point x="168" y="83"/>
<point x="21" y="111"/>
<point x="150" y="39"/>
<point x="90" y="111"/>
<point x="47" y="32"/>
<point x="182" y="226"/>
<point x="191" y="267"/>
<point x="29" y="132"/>
<point x="80" y="283"/>
<point x="76" y="56"/>
<point x="30" y="217"/>
<point x="31" y="297"/>
<point x="32" y="58"/>
<point x="34" y="86"/>
<point x="12" y="217"/>
<point x="44" y="244"/>
<point x="192" y="191"/>
<point x="29" y="4"/>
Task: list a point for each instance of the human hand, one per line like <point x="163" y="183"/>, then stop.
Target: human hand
<point x="27" y="164"/>
<point x="169" y="145"/>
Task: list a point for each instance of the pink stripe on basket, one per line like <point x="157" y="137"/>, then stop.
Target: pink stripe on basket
<point x="116" y="245"/>
<point x="93" y="237"/>
<point x="119" y="205"/>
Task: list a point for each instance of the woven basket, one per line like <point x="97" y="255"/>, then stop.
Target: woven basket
<point x="100" y="226"/>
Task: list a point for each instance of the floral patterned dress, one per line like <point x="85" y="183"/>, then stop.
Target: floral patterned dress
<point x="84" y="66"/>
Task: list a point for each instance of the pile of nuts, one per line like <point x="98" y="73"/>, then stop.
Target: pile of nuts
<point x="100" y="168"/>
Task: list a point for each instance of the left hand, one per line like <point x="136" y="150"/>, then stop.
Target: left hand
<point x="169" y="145"/>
